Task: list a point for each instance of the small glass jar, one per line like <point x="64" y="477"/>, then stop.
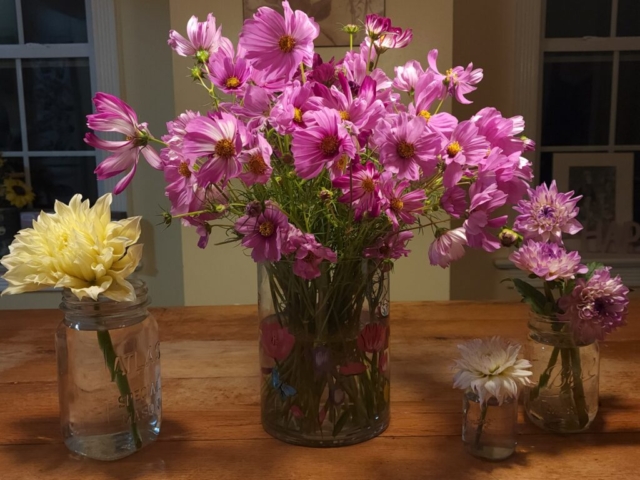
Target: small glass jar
<point x="489" y="429"/>
<point x="108" y="375"/>
<point x="566" y="374"/>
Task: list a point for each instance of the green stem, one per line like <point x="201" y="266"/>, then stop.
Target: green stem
<point x="544" y="377"/>
<point x="120" y="378"/>
<point x="483" y="416"/>
<point x="578" y="388"/>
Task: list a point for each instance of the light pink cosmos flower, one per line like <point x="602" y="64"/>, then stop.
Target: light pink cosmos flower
<point x="548" y="261"/>
<point x="255" y="109"/>
<point x="204" y="39"/>
<point x="402" y="203"/>
<point x="478" y="224"/>
<point x="278" y="44"/>
<point x="375" y="26"/>
<point x="547" y="214"/>
<point x="207" y="198"/>
<point x="454" y="201"/>
<point x="219" y="139"/>
<point x="406" y="146"/>
<point x="229" y="75"/>
<point x="287" y="115"/>
<point x="361" y="189"/>
<point x="407" y="76"/>
<point x="263" y="233"/>
<point x="447" y="247"/>
<point x="309" y="256"/>
<point x="114" y="115"/>
<point x="457" y="81"/>
<point x="321" y="144"/>
<point x="257" y="161"/>
<point x="391" y="246"/>
<point x="512" y="174"/>
<point x="395" y="38"/>
<point x="465" y="148"/>
<point x="276" y="341"/>
<point x="426" y="93"/>
<point x="501" y="132"/>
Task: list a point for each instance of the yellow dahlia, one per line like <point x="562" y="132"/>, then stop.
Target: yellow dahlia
<point x="78" y="247"/>
<point x="18" y="193"/>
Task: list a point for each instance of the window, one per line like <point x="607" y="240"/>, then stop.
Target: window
<point x="48" y="75"/>
<point x="590" y="92"/>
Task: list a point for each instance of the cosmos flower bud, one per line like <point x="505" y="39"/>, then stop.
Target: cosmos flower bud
<point x="253" y="208"/>
<point x="351" y="29"/>
<point x="325" y="195"/>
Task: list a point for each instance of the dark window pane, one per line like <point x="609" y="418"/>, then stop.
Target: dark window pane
<point x="628" y="121"/>
<point x="576" y="98"/>
<point x="58" y="97"/>
<point x="546" y="168"/>
<point x="578" y="18"/>
<point x="628" y="18"/>
<point x="54" y="21"/>
<point x="9" y="109"/>
<point x="8" y="22"/>
<point x="59" y="178"/>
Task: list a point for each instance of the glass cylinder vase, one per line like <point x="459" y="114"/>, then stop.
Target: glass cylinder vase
<point x="489" y="429"/>
<point x="324" y="352"/>
<point x="108" y="375"/>
<point x="564" y="394"/>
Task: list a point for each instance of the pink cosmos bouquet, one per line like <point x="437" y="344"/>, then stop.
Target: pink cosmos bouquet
<point x="323" y="171"/>
<point x="580" y="305"/>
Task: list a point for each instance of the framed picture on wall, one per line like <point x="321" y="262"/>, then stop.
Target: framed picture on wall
<point x="331" y="15"/>
<point x="605" y="181"/>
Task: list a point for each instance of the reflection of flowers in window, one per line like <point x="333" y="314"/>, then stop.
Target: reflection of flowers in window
<point x="13" y="191"/>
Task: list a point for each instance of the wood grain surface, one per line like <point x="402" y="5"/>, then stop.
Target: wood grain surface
<point x="211" y="423"/>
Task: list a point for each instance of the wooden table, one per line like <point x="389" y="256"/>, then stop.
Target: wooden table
<point x="211" y="424"/>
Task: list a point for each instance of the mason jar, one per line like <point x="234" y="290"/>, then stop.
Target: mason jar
<point x="564" y="395"/>
<point x="108" y="375"/>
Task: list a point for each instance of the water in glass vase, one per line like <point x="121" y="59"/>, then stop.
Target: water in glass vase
<point x="108" y="378"/>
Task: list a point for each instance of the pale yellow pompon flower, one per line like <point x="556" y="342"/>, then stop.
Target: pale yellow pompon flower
<point x="78" y="247"/>
<point x="491" y="368"/>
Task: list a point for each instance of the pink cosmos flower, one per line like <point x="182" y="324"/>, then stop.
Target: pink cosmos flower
<point x="257" y="161"/>
<point x="395" y="38"/>
<point x="375" y="26"/>
<point x="477" y="225"/>
<point x="321" y="144"/>
<point x="279" y="45"/>
<point x="276" y="341"/>
<point x="427" y="90"/>
<point x="401" y="204"/>
<point x="547" y="214"/>
<point x="288" y="114"/>
<point x="220" y="139"/>
<point x="454" y="201"/>
<point x="323" y="72"/>
<point x="263" y="233"/>
<point x="255" y="108"/>
<point x="309" y="256"/>
<point x="352" y="368"/>
<point x="447" y="247"/>
<point x="210" y="199"/>
<point x="501" y="132"/>
<point x="354" y="67"/>
<point x="512" y="174"/>
<point x="393" y="245"/>
<point x="228" y="75"/>
<point x="548" y="261"/>
<point x="361" y="189"/>
<point x="465" y="148"/>
<point x="457" y="81"/>
<point x="114" y="115"/>
<point x="595" y="307"/>
<point x="372" y="338"/>
<point x="406" y="146"/>
<point x="407" y="76"/>
<point x="204" y="40"/>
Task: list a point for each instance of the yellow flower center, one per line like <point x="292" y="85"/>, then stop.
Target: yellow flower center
<point x="297" y="115"/>
<point x="232" y="82"/>
<point x="183" y="170"/>
<point x="225" y="149"/>
<point x="405" y="150"/>
<point x="342" y="163"/>
<point x="397" y="205"/>
<point x="453" y="149"/>
<point x="329" y="145"/>
<point x="344" y="115"/>
<point x="257" y="165"/>
<point x="368" y="185"/>
<point x="424" y="114"/>
<point x="266" y="229"/>
<point x="286" y="43"/>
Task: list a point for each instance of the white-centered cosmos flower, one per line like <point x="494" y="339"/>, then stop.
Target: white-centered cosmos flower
<point x="491" y="368"/>
<point x="78" y="247"/>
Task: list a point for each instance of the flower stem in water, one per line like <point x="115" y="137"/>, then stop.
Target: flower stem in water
<point x="483" y="416"/>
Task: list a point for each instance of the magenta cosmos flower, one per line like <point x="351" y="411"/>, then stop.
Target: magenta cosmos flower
<point x="375" y="26"/>
<point x="454" y="201"/>
<point x="402" y="203"/>
<point x="203" y="39"/>
<point x="447" y="247"/>
<point x="391" y="246"/>
<point x="309" y="256"/>
<point x="361" y="189"/>
<point x="257" y="162"/>
<point x="278" y="44"/>
<point x="426" y="93"/>
<point x="478" y="225"/>
<point x="407" y="76"/>
<point x="465" y="148"/>
<point x="406" y="146"/>
<point x="114" y="115"/>
<point x="287" y="115"/>
<point x="457" y="81"/>
<point x="596" y="306"/>
<point x="548" y="261"/>
<point x="321" y="144"/>
<point x="228" y="75"/>
<point x="276" y="341"/>
<point x="263" y="234"/>
<point x="219" y="139"/>
<point x="547" y="214"/>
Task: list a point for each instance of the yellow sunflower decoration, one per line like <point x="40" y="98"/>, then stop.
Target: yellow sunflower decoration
<point x="18" y="193"/>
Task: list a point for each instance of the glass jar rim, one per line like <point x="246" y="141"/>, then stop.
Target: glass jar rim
<point x="72" y="305"/>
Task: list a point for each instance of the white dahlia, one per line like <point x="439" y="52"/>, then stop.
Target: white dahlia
<point x="78" y="247"/>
